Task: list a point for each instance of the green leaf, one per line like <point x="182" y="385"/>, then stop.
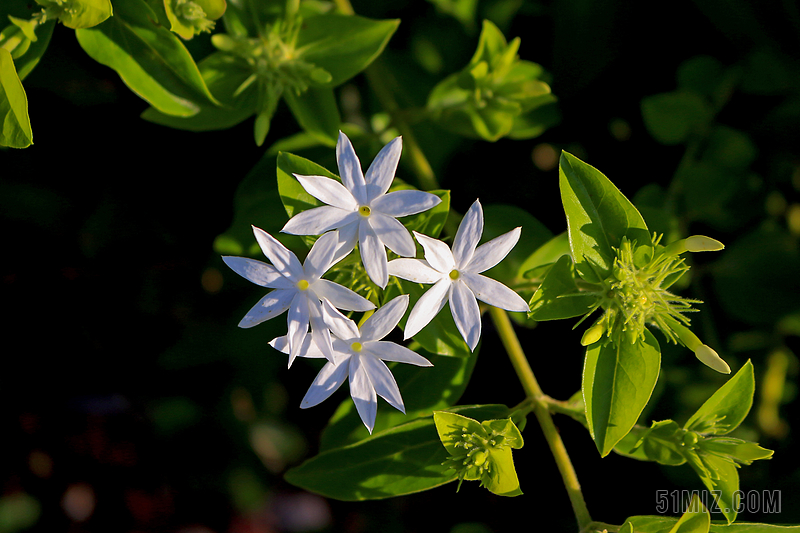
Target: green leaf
<point x="401" y="460"/>
<point x="16" y="132"/>
<point x="428" y="222"/>
<point x="598" y="216"/>
<point x="663" y="524"/>
<point x="150" y="59"/>
<point x="721" y="477"/>
<point x="537" y="264"/>
<point x="223" y="75"/>
<point x="85" y="13"/>
<point x="558" y="296"/>
<point x="661" y="442"/>
<point x="671" y="118"/>
<point x="316" y="111"/>
<point x="424" y="390"/>
<point x="727" y="407"/>
<point x="696" y="519"/>
<point x="34" y="50"/>
<point x="617" y="383"/>
<point x="343" y="45"/>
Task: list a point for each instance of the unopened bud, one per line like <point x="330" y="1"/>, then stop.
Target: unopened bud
<point x="701" y="243"/>
<point x="592" y="335"/>
<point x="709" y="357"/>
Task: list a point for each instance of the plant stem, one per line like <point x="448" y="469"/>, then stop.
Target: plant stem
<point x="532" y="390"/>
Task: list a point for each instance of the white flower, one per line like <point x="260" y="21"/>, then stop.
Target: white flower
<point x="456" y="277"/>
<point x="361" y="209"/>
<point x="298" y="289"/>
<point x="359" y="356"/>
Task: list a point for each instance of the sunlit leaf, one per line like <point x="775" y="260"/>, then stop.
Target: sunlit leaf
<point x="728" y="406"/>
<point x="16" y="132"/>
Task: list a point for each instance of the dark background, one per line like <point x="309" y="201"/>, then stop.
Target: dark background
<point x="133" y="403"/>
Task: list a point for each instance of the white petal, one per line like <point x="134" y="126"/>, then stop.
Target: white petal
<point x="350" y="169"/>
<point x="390" y="351"/>
<point x="340" y="325"/>
<point x="363" y="393"/>
<point x="348" y="237"/>
<point x="281" y="258"/>
<point x="327" y="381"/>
<point x="437" y="253"/>
<point x="319" y="329"/>
<point x="466" y="313"/>
<point x="373" y="255"/>
<point x="328" y="191"/>
<point x="340" y="297"/>
<point x="258" y="272"/>
<point x="427" y="307"/>
<point x="297" y="322"/>
<point x="320" y="258"/>
<point x="385" y="319"/>
<point x="270" y="306"/>
<point x="381" y="172"/>
<point x="494" y="293"/>
<point x="383" y="381"/>
<point x="307" y="349"/>
<point x="489" y="254"/>
<point x="468" y="235"/>
<point x="415" y="270"/>
<point x="393" y="234"/>
<point x="405" y="202"/>
<point x="319" y="220"/>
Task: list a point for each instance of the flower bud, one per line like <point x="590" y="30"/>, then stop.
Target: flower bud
<point x="592" y="335"/>
<point x="709" y="357"/>
<point x="701" y="243"/>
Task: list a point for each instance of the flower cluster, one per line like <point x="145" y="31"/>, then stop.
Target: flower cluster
<point x="360" y="211"/>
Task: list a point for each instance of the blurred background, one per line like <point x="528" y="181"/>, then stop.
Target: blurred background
<point x="131" y="402"/>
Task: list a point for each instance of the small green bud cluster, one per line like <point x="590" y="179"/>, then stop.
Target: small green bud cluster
<point x="471" y="460"/>
<point x="191" y="14"/>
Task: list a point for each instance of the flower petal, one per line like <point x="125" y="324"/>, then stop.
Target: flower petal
<point x="383" y="381"/>
<point x="494" y="293"/>
<point x="327" y="381"/>
<point x="350" y="169"/>
<point x="348" y="237"/>
<point x="490" y="253"/>
<point x="307" y="349"/>
<point x="257" y="272"/>
<point x="382" y="169"/>
<point x="281" y="258"/>
<point x="466" y="313"/>
<point x="328" y="191"/>
<point x="385" y="319"/>
<point x="340" y="325"/>
<point x="405" y="202"/>
<point x="320" y="258"/>
<point x="393" y="234"/>
<point x="390" y="351"/>
<point x="319" y="220"/>
<point x="373" y="254"/>
<point x="340" y="297"/>
<point x="363" y="392"/>
<point x="297" y="322"/>
<point x="427" y="307"/>
<point x="319" y="329"/>
<point x="415" y="270"/>
<point x="468" y="235"/>
<point x="437" y="253"/>
<point x="270" y="306"/>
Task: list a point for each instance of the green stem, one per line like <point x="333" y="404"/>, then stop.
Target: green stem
<point x="532" y="390"/>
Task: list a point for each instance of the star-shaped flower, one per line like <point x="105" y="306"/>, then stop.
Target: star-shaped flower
<point x="359" y="357"/>
<point x="298" y="289"/>
<point x="361" y="209"/>
<point x="456" y="277"/>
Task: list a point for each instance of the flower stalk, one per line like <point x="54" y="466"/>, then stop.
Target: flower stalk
<point x="532" y="390"/>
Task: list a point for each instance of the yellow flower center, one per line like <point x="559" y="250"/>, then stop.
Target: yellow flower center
<point x="454" y="274"/>
<point x="356" y="347"/>
<point x="302" y="285"/>
<point x="364" y="211"/>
